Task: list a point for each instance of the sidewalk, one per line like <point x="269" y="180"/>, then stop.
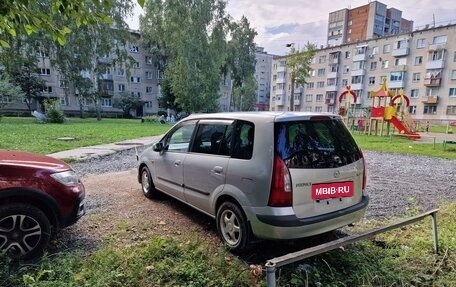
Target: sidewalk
<point x="84" y="153"/>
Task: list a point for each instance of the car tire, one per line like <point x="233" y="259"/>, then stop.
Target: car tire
<point x="147" y="185"/>
<point x="233" y="227"/>
<point x="24" y="231"/>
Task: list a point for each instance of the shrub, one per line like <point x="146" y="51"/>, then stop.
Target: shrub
<point x="150" y="119"/>
<point x="53" y="113"/>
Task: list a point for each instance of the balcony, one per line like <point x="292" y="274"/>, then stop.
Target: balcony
<point x="437" y="47"/>
<point x="431" y="100"/>
<point x="281" y="69"/>
<point x="331" y="75"/>
<point x="297" y="102"/>
<point x="400" y="52"/>
<point x="359" y="72"/>
<point x="331" y="88"/>
<point x="432" y="82"/>
<point x="355" y="87"/>
<point x="360" y="57"/>
<point x="280" y="92"/>
<point x="280" y="101"/>
<point x="281" y="80"/>
<point x="330" y="101"/>
<point x="438" y="64"/>
<point x="333" y="61"/>
<point x="396" y="84"/>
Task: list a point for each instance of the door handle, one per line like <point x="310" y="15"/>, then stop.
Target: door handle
<point x="217" y="169"/>
<point x="177" y="162"/>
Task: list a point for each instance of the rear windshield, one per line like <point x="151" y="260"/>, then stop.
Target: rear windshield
<point x="315" y="144"/>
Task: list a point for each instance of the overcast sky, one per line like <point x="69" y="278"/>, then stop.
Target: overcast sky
<point x="279" y="22"/>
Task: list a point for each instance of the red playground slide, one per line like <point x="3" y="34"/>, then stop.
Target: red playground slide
<point x="403" y="130"/>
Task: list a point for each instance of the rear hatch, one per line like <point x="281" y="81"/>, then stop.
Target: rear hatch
<point x="324" y="162"/>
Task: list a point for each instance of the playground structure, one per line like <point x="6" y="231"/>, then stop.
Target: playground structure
<point x="386" y="109"/>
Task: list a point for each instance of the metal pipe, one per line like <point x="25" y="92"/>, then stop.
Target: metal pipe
<point x="270" y="274"/>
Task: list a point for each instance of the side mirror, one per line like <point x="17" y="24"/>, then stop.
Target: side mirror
<point x="157" y="146"/>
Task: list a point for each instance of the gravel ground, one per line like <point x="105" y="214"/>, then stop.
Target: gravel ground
<point x="396" y="182"/>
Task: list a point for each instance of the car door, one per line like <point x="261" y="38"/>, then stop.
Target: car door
<point x="170" y="163"/>
<point x="206" y="165"/>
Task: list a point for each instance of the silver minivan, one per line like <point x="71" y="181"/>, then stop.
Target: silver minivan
<point x="266" y="175"/>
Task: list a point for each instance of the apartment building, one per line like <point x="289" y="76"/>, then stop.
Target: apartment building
<point x="142" y="81"/>
<point x="263" y="77"/>
<point x="422" y="64"/>
<point x="365" y="22"/>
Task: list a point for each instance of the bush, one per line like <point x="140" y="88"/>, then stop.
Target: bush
<point x="53" y="113"/>
<point x="150" y="119"/>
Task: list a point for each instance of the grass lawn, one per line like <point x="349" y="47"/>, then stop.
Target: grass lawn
<point x="29" y="135"/>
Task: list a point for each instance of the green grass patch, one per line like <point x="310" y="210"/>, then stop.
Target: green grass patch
<point x="399" y="144"/>
<point x="29" y="135"/>
<point x="156" y="262"/>
<point x="402" y="257"/>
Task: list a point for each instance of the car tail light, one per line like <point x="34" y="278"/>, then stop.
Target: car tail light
<point x="364" y="169"/>
<point x="281" y="190"/>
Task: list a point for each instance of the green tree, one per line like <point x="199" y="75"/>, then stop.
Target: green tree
<point x="8" y="91"/>
<point x="299" y="64"/>
<point x="26" y="17"/>
<point x="241" y="56"/>
<point x="188" y="37"/>
<point x="126" y="103"/>
<point x="245" y="96"/>
<point x="167" y="99"/>
<point x="91" y="51"/>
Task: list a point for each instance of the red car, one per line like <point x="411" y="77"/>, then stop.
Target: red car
<point x="38" y="195"/>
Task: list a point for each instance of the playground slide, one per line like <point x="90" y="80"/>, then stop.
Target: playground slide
<point x="402" y="129"/>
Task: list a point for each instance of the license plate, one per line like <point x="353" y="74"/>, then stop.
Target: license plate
<point x="333" y="190"/>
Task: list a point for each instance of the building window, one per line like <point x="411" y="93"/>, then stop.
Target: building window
<point x="47" y="90"/>
<point x="63" y="84"/>
<point x="148" y="105"/>
<point x="310" y="85"/>
<point x="396" y="76"/>
<point x="149" y="60"/>
<point x="44" y="71"/>
<point x="385" y="64"/>
<point x="420" y="43"/>
<point x="346" y="69"/>
<point x="344" y="82"/>
<point x="120" y="72"/>
<point x="439" y="40"/>
<point x="436" y="55"/>
<point x="416" y="77"/>
<point x="318" y="109"/>
<point x="136" y="94"/>
<point x="357" y="80"/>
<point x="148" y="75"/>
<point x="42" y="54"/>
<point x="347" y="55"/>
<point x="159" y="74"/>
<point x="451" y="110"/>
<point x="319" y="98"/>
<point x="135" y="79"/>
<point x="308" y="98"/>
<point x="322" y="59"/>
<point x="454" y="57"/>
<point x="386" y="48"/>
<point x="136" y="65"/>
<point x="321" y="72"/>
<point x="430" y="109"/>
<point x="320" y="84"/>
<point x="149" y="90"/>
<point x="373" y="66"/>
<point x="452" y="92"/>
<point x="63" y="101"/>
<point x="134" y="49"/>
<point x="308" y="109"/>
<point x="418" y="60"/>
<point x="121" y="87"/>
<point x="453" y="74"/>
<point x="414" y="93"/>
<point x="371" y="80"/>
<point x="412" y="110"/>
<point x="374" y="51"/>
<point x="400" y="62"/>
<point x="106" y="102"/>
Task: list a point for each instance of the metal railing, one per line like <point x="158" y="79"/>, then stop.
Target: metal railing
<point x="272" y="264"/>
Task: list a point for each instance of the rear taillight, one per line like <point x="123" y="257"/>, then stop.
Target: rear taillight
<point x="281" y="190"/>
<point x="364" y="168"/>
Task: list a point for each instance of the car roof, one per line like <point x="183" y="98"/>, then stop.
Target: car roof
<point x="263" y="115"/>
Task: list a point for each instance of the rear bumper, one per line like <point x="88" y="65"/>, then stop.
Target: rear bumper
<point x="291" y="227"/>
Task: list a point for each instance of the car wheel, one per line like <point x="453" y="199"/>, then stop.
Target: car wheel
<point x="147" y="184"/>
<point x="24" y="231"/>
<point x="233" y="227"/>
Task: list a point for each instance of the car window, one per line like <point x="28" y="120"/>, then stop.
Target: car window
<point x="243" y="140"/>
<point x="213" y="138"/>
<point x="179" y="139"/>
<point x="315" y="144"/>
